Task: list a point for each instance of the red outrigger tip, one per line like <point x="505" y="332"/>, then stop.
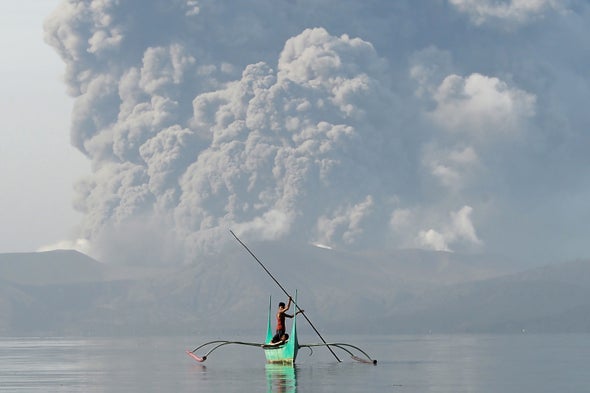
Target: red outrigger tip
<point x="198" y="359"/>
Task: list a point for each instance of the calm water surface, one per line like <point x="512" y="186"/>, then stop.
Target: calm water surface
<point x="407" y="364"/>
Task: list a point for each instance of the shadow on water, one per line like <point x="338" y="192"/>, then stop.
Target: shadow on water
<point x="281" y="378"/>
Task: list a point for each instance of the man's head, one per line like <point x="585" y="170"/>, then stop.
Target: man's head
<point x="281" y="305"/>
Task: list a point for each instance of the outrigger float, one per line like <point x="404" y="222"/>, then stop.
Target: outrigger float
<point x="282" y="352"/>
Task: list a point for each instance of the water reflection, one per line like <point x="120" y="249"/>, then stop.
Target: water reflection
<point x="407" y="364"/>
<point x="281" y="378"/>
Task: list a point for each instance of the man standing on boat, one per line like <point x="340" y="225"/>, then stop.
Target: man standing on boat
<point x="281" y="314"/>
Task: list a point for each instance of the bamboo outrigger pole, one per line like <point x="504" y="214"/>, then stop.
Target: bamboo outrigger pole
<point x="286" y="293"/>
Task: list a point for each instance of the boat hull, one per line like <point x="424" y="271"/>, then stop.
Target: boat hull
<point x="285" y="354"/>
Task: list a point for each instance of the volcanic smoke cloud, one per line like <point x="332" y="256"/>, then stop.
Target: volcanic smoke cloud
<point x="351" y="124"/>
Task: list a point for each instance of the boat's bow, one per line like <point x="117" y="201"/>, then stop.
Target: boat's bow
<point x="284" y="353"/>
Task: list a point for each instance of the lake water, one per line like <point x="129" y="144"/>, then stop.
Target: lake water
<point x="406" y="364"/>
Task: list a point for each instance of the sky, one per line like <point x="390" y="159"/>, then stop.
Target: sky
<point x="38" y="164"/>
<point x="452" y="125"/>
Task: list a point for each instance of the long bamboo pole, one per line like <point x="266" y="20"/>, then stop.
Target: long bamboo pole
<point x="286" y="293"/>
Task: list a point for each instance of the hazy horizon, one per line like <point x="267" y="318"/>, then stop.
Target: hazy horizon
<point x="65" y="293"/>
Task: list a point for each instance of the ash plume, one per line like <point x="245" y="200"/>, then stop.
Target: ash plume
<point x="342" y="123"/>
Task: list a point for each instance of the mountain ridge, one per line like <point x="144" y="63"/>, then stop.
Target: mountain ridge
<point x="405" y="291"/>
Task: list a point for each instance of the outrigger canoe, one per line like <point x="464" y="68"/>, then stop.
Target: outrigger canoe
<point x="282" y="353"/>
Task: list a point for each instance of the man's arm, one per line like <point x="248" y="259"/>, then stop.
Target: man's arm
<point x="291" y="315"/>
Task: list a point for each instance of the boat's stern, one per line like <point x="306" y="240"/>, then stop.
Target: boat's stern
<point x="284" y="353"/>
